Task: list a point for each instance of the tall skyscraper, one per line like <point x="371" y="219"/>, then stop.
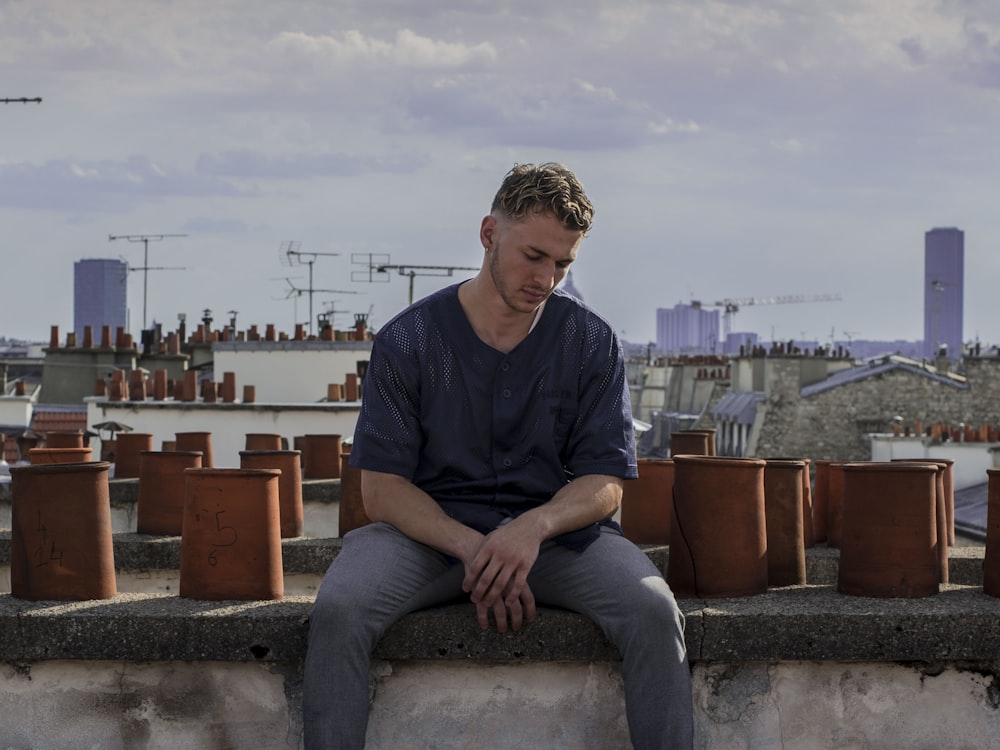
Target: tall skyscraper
<point x="944" y="274"/>
<point x="687" y="329"/>
<point x="99" y="294"/>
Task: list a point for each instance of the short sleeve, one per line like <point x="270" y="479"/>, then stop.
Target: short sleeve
<point x="388" y="436"/>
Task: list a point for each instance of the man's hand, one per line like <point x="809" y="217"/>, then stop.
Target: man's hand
<point x="497" y="576"/>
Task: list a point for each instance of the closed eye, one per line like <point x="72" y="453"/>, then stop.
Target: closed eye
<point x="538" y="257"/>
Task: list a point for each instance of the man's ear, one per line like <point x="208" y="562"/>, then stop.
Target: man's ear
<point x="488" y="232"/>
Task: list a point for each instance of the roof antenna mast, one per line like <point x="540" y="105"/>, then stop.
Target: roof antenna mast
<point x="290" y="254"/>
<point x="145" y="239"/>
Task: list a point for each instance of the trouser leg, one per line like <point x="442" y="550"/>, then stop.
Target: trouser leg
<point x="379" y="576"/>
<point x="614" y="583"/>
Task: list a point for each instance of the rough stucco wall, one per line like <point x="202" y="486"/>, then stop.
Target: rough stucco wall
<point x="825" y="426"/>
<point x="804" y="706"/>
<point x="719" y="389"/>
<point x="983" y="374"/>
<point x="780" y="410"/>
<point x="63" y="705"/>
<point x="500" y="707"/>
<point x="166" y="705"/>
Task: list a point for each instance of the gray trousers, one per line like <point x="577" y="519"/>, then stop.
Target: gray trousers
<point x="381" y="575"/>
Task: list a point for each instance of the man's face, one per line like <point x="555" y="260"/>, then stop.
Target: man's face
<point x="528" y="258"/>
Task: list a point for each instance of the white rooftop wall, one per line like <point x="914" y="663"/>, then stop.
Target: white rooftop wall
<point x="971" y="459"/>
<point x="288" y="371"/>
<point x="15" y="411"/>
<point x="228" y="423"/>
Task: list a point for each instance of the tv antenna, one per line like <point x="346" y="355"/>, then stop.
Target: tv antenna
<point x="295" y="298"/>
<point x="145" y="239"/>
<point x="290" y="255"/>
<point x="22" y="100"/>
<point x="328" y="316"/>
<point x="379" y="267"/>
<point x="130" y="268"/>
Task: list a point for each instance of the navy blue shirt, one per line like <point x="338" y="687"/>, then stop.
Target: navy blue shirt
<point x="490" y="435"/>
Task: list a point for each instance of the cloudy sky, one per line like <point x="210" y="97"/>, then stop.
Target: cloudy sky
<point x="741" y="149"/>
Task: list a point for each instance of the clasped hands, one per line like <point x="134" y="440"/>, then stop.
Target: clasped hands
<point x="496" y="577"/>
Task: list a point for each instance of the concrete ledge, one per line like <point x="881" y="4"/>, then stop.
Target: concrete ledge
<point x="790" y="624"/>
<point x="816" y="623"/>
<point x="124" y="493"/>
<point x="150" y="627"/>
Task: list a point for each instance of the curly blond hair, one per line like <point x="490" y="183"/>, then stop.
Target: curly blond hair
<point x="548" y="188"/>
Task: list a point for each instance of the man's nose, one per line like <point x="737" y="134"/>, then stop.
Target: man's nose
<point x="545" y="275"/>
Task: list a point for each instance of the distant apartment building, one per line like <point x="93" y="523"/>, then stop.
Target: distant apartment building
<point x="99" y="294"/>
<point x="944" y="264"/>
<point x="734" y="341"/>
<point x="687" y="329"/>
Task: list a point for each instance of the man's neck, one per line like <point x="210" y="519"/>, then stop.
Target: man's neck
<point x="494" y="322"/>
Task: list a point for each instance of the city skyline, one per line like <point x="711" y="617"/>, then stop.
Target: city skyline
<point x="731" y="149"/>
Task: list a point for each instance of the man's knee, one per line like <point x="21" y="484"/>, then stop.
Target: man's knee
<point x="654" y="605"/>
<point x="336" y="612"/>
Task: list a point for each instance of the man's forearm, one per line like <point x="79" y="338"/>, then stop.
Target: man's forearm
<point x="587" y="499"/>
<point x="393" y="499"/>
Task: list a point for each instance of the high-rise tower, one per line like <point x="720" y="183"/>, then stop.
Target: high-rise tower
<point x="687" y="329"/>
<point x="99" y="294"/>
<point x="944" y="274"/>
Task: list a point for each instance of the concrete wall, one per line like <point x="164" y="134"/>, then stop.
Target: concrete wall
<point x="168" y="705"/>
<point x="228" y="423"/>
<point x="289" y="371"/>
<point x="70" y="374"/>
<point x="417" y="705"/>
<point x="810" y="705"/>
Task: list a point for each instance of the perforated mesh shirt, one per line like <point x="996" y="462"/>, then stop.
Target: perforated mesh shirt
<point x="489" y="435"/>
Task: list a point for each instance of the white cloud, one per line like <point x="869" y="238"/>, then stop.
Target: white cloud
<point x="787" y="145"/>
<point x="406" y="50"/>
<point x="668" y="126"/>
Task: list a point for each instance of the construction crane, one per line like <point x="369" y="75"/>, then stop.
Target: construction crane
<point x="731" y="306"/>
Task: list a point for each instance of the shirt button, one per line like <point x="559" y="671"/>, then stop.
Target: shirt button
<point x="506" y="462"/>
<point x="505" y="366"/>
<point x="506" y="392"/>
